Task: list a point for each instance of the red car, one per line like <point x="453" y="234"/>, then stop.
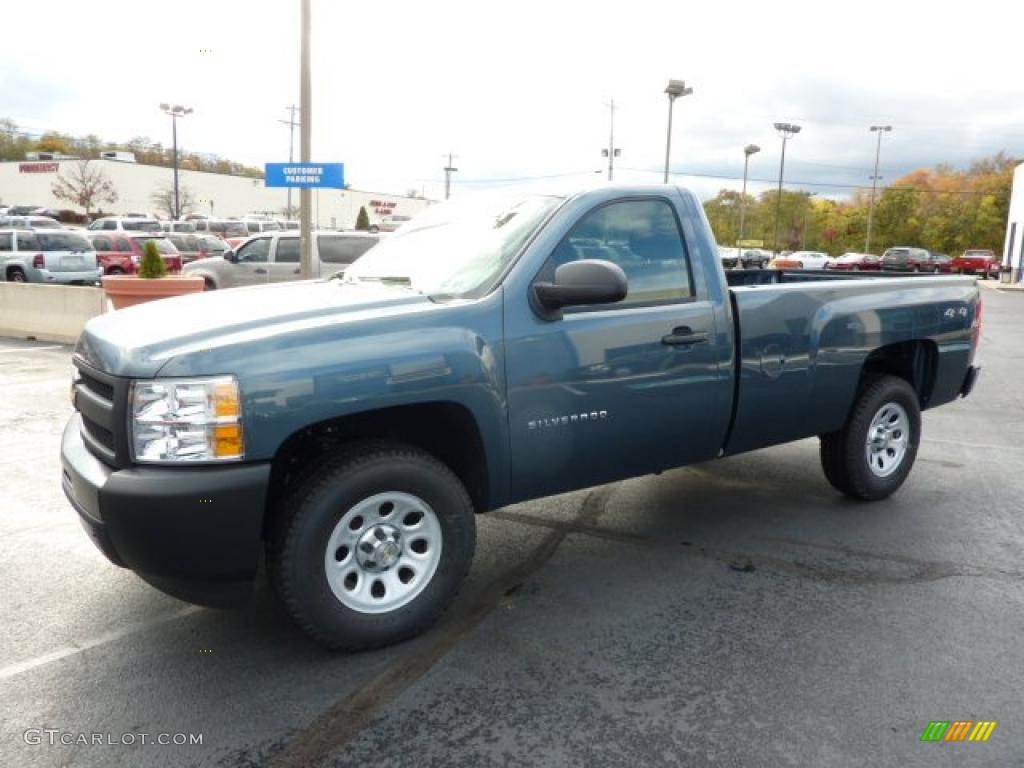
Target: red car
<point x="977" y="261"/>
<point x="855" y="262"/>
<point x="119" y="253"/>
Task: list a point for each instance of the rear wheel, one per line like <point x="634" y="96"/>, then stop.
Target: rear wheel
<point x="372" y="547"/>
<point x="871" y="456"/>
<point x="16" y="275"/>
<point x="115" y="271"/>
<point x="209" y="285"/>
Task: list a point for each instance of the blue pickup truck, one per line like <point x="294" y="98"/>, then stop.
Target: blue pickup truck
<point x="493" y="350"/>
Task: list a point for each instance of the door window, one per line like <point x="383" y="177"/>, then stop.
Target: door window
<point x="287" y="251"/>
<point x="255" y="251"/>
<point x="640" y="236"/>
<point x="6" y="243"/>
<point x="27" y="241"/>
<point x="102" y="243"/>
<point x="342" y="250"/>
<point x="121" y="245"/>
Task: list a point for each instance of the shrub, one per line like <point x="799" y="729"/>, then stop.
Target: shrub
<point x="362" y="220"/>
<point x="152" y="262"/>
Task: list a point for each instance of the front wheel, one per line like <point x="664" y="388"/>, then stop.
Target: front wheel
<point x="372" y="547"/>
<point x="872" y="455"/>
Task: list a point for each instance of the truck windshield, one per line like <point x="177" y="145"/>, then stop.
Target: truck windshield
<point x="457" y="248"/>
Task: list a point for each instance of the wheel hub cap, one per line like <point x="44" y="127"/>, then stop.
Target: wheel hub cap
<point x="379" y="548"/>
<point x="383" y="552"/>
<point x="887" y="440"/>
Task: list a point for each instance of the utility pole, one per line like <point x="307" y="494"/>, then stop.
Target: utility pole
<point x="611" y="153"/>
<point x="305" y="148"/>
<point x="448" y="171"/>
<point x="291" y="122"/>
<point x="785" y="131"/>
<point x="879" y="129"/>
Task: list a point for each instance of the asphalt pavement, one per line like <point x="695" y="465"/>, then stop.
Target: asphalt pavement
<point x="735" y="613"/>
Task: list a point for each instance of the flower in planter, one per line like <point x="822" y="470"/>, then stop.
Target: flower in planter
<point x="152" y="264"/>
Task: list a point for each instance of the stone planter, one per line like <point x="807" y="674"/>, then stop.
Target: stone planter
<point x="129" y="290"/>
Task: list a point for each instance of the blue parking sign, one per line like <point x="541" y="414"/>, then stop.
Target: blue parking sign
<point x="309" y="175"/>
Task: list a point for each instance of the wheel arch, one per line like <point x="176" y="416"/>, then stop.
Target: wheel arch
<point x="914" y="361"/>
<point x="447" y="430"/>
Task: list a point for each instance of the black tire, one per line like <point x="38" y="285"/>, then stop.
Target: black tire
<point x="843" y="453"/>
<point x="209" y="285"/>
<point x="15" y="275"/>
<point x="303" y="524"/>
<point x="115" y="271"/>
<point x="374" y="229"/>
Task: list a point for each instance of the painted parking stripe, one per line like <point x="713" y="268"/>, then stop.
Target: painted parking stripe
<point x="30" y="349"/>
<point x="12" y="670"/>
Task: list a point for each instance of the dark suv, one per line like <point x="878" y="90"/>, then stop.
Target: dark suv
<point x="904" y="259"/>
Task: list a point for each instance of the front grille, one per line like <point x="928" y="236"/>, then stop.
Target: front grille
<point x="102" y="401"/>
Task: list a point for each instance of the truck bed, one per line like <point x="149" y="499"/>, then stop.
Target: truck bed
<point x="803" y="337"/>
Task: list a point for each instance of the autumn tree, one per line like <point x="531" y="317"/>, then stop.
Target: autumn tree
<point x="85" y="185"/>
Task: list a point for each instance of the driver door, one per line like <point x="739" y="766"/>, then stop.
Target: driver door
<point x="253" y="258"/>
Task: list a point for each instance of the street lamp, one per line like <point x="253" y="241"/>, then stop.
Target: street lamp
<point x="880" y="129"/>
<point x="175" y="112"/>
<point x="786" y="130"/>
<point x="750" y="149"/>
<point x="674" y="89"/>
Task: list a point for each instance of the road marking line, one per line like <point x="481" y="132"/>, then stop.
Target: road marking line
<point x="13" y="670"/>
<point x="31" y="349"/>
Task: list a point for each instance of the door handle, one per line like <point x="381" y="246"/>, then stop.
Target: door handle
<point x="260" y="271"/>
<point x="684" y="335"/>
<point x="297" y="271"/>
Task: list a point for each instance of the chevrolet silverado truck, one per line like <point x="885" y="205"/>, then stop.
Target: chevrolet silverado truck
<point x="348" y="430"/>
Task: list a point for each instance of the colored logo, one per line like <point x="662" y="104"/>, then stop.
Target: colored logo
<point x="959" y="730"/>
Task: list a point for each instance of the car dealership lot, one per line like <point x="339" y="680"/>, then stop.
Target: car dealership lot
<point x="736" y="613"/>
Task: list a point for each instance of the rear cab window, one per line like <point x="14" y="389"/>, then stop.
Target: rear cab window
<point x="339" y="249"/>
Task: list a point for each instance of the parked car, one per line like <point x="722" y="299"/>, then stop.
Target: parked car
<point x="125" y="224"/>
<point x="855" y="262"/>
<point x="348" y="431"/>
<point x="977" y="261"/>
<point x="729" y="257"/>
<point x="904" y="258"/>
<point x="943" y="263"/>
<point x="800" y="260"/>
<point x="222" y="228"/>
<point x="178" y="226"/>
<point x="755" y="258"/>
<point x="192" y="247"/>
<point x="120" y="252"/>
<point x="30" y="222"/>
<point x="47" y="256"/>
<point x="255" y="226"/>
<point x="389" y="223"/>
<point x="274" y="257"/>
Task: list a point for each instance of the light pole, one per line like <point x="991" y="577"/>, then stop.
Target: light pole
<point x="175" y="112"/>
<point x="291" y="123"/>
<point x="305" y="141"/>
<point x="879" y="129"/>
<point x="750" y="149"/>
<point x="785" y="131"/>
<point x="448" y="171"/>
<point x="674" y="89"/>
<point x="611" y="153"/>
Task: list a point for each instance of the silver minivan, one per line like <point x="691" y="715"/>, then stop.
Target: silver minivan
<point x="273" y="257"/>
<point x="47" y="256"/>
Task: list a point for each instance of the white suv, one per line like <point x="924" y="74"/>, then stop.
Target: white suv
<point x="47" y="256"/>
<point x="126" y="224"/>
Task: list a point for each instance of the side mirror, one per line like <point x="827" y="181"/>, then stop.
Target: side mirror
<point x="590" y="281"/>
<point x="230" y="255"/>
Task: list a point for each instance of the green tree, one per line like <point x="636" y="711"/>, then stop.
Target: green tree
<point x="363" y="219"/>
<point x="152" y="264"/>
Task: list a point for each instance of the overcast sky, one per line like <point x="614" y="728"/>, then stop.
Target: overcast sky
<point x="519" y="89"/>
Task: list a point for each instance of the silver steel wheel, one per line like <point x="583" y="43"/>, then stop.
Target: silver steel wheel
<point x="888" y="437"/>
<point x="383" y="552"/>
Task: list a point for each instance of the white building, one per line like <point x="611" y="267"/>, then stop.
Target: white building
<point x="1013" y="248"/>
<point x="220" y="195"/>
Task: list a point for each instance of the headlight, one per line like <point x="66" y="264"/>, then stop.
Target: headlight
<point x="185" y="420"/>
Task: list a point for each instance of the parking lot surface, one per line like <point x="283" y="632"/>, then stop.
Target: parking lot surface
<point x="735" y="613"/>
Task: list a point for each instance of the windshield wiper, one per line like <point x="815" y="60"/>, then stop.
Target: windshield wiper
<point x="401" y="279"/>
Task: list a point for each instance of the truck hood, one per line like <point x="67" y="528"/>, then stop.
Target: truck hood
<point x="138" y="341"/>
